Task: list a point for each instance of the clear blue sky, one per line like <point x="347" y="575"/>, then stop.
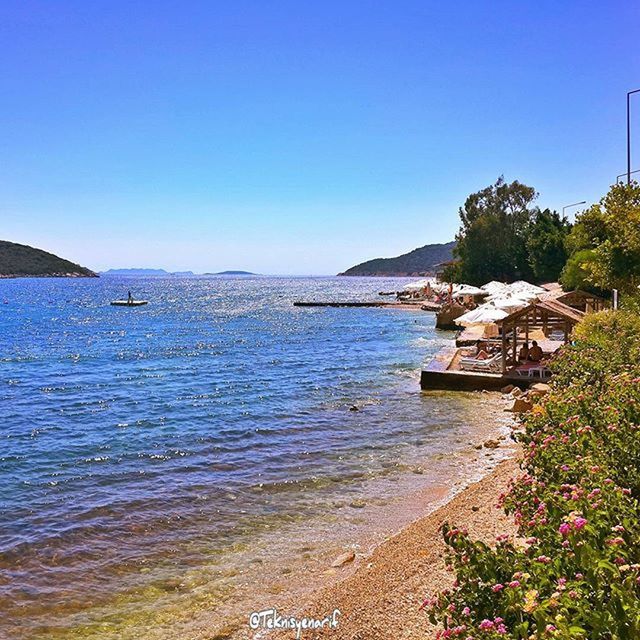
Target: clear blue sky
<point x="298" y="137"/>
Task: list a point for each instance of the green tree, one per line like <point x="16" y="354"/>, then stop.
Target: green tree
<point x="611" y="231"/>
<point x="577" y="272"/>
<point x="546" y="245"/>
<point x="491" y="243"/>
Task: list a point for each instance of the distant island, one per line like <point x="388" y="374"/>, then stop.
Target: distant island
<point x="163" y="272"/>
<point x="146" y="272"/>
<point x="231" y="273"/>
<point x="23" y="261"/>
<point x="419" y="262"/>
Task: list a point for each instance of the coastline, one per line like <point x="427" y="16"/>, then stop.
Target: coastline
<point x="383" y="583"/>
<point x="381" y="596"/>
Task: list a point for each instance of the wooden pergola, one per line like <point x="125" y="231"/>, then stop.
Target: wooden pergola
<point x="549" y="315"/>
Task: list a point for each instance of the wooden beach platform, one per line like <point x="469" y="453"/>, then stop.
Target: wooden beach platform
<point x="443" y="374"/>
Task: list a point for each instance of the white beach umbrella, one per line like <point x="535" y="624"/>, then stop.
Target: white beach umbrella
<point x="484" y="314"/>
<point x="419" y="284"/>
<point x="494" y="287"/>
<point x="509" y="293"/>
<point x="468" y="290"/>
<point x="510" y="303"/>
<point x="521" y="286"/>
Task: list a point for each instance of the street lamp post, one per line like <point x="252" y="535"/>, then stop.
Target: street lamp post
<point x="629" y="94"/>
<point x="622" y="175"/>
<point x="568" y="206"/>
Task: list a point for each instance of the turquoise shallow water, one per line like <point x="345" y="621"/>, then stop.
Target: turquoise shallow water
<point x="176" y="431"/>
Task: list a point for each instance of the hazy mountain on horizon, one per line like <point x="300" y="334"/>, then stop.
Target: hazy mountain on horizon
<point x="133" y="271"/>
<point x="145" y="272"/>
<point x="231" y="272"/>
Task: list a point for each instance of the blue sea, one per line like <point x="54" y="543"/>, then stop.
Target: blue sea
<point x="147" y="452"/>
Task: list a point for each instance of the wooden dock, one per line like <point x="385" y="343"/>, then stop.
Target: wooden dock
<point x="379" y="303"/>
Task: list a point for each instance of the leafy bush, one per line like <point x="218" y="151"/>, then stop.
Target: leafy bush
<point x="574" y="569"/>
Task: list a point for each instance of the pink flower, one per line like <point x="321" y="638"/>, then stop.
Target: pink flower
<point x="579" y="522"/>
<point x="514" y="584"/>
<point x="497" y="588"/>
<point x="543" y="559"/>
<point x="564" y="529"/>
<point x="466" y="611"/>
<point x="486" y="624"/>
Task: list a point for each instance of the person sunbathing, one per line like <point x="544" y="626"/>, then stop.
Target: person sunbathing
<point x="535" y="353"/>
<point x="523" y="354"/>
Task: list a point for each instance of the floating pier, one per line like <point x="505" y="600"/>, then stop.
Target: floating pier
<point x="128" y="303"/>
<point x="379" y="303"/>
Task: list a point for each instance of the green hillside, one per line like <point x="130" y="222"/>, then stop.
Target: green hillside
<point x="419" y="262"/>
<point x="20" y="260"/>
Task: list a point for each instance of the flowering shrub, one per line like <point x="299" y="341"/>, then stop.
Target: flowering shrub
<point x="574" y="569"/>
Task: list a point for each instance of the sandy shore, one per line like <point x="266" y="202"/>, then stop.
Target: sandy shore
<point x="380" y="595"/>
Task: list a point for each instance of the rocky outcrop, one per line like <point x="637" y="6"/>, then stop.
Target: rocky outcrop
<point x="446" y="316"/>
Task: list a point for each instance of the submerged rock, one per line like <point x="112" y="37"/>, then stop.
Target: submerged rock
<point x="344" y="558"/>
<point x="491" y="444"/>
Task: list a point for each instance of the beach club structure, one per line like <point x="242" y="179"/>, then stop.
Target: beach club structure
<point x="491" y="351"/>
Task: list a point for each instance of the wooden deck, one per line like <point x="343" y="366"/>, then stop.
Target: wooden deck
<point x="457" y="380"/>
<point x="443" y="373"/>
